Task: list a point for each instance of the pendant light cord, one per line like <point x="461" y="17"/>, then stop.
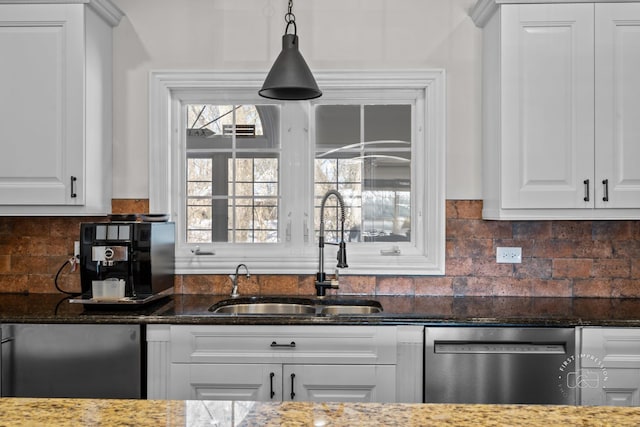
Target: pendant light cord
<point x="290" y="18"/>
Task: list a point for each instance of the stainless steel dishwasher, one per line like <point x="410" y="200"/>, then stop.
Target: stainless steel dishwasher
<point x="500" y="365"/>
<point x="72" y="360"/>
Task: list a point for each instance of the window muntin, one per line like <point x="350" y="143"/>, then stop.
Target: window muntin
<point x="232" y="164"/>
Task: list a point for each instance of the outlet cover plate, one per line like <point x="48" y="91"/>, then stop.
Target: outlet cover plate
<point x="509" y="255"/>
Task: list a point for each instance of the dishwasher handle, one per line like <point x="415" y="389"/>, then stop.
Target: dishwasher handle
<point x="479" y="347"/>
<point x="5" y="386"/>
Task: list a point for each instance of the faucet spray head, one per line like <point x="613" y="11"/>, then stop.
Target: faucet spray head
<point x="342" y="255"/>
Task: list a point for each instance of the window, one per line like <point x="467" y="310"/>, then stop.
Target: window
<point x="247" y="175"/>
<point x="231" y="175"/>
<point x="364" y="152"/>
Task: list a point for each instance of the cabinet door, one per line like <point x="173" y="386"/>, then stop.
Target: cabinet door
<point x="258" y="382"/>
<point x="41" y="104"/>
<point x="622" y="388"/>
<point x="547" y="106"/>
<point x="617" y="77"/>
<point x="339" y="383"/>
<point x="610" y="362"/>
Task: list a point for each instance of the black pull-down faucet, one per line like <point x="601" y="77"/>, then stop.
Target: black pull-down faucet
<point x="322" y="284"/>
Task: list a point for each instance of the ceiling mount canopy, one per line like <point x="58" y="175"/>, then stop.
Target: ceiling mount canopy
<point x="290" y="77"/>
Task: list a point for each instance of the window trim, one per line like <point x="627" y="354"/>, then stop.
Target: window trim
<point x="168" y="88"/>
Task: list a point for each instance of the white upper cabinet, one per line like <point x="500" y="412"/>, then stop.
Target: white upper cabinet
<point x="617" y="105"/>
<point x="561" y="109"/>
<point x="56" y="107"/>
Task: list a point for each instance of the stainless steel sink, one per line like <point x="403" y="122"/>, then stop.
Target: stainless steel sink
<point x="336" y="310"/>
<point x="348" y="306"/>
<point x="264" y="305"/>
<point x="296" y="306"/>
<point x="266" y="308"/>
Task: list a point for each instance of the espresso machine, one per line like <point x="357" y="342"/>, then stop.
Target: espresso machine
<point x="136" y="255"/>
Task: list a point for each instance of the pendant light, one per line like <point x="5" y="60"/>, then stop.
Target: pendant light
<point x="290" y="77"/>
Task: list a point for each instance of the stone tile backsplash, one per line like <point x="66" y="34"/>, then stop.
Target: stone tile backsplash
<point x="560" y="258"/>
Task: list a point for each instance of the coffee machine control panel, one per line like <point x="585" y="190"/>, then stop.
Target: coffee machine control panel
<point x="107" y="255"/>
<point x="113" y="232"/>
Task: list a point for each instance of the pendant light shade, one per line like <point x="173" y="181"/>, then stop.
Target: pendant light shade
<point x="290" y="77"/>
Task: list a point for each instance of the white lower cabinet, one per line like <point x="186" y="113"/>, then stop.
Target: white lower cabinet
<point x="259" y="382"/>
<point x="265" y="382"/>
<point x="339" y="383"/>
<point x="610" y="366"/>
<point x="276" y="363"/>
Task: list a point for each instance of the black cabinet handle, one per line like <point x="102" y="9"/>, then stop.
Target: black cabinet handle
<point x="293" y="395"/>
<point x="73" y="187"/>
<point x="605" y="182"/>
<point x="275" y="344"/>
<point x="271" y="375"/>
<point x="586" y="190"/>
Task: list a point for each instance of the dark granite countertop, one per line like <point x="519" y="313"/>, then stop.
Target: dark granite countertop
<point x="193" y="309"/>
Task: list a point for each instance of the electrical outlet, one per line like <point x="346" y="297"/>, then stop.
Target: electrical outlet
<point x="76" y="249"/>
<point x="509" y="255"/>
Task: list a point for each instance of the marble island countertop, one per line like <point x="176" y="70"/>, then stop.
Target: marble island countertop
<point x="17" y="412"/>
<point x="193" y="309"/>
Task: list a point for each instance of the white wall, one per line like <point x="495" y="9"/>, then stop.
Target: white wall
<point x="334" y="34"/>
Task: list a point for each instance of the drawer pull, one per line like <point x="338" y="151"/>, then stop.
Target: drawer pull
<point x="605" y="182"/>
<point x="293" y="395"/>
<point x="271" y="375"/>
<point x="73" y="187"/>
<point x="586" y="190"/>
<point x="275" y="344"/>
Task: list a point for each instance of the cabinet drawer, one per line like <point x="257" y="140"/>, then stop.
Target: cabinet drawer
<point x="283" y="344"/>
<point x="610" y="348"/>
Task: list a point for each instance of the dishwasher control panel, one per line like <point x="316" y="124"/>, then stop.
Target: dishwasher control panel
<point x="498" y="347"/>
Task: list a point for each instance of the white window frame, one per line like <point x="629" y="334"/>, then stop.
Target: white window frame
<point x="425" y="255"/>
